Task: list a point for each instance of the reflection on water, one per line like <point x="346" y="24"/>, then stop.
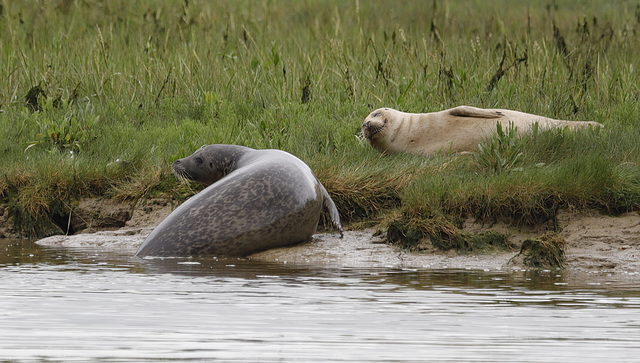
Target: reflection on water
<point x="65" y="305"/>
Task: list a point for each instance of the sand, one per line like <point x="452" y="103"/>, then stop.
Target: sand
<point x="595" y="242"/>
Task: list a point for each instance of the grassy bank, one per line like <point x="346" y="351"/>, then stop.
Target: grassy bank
<point x="97" y="99"/>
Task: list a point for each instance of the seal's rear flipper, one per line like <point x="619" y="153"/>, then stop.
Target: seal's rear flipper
<point x="330" y="207"/>
<point x="469" y="111"/>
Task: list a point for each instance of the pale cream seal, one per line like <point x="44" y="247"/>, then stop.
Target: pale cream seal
<point x="457" y="129"/>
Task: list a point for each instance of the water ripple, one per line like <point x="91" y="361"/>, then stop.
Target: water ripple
<point x="85" y="305"/>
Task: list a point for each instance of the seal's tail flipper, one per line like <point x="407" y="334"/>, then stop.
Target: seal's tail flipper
<point x="330" y="207"/>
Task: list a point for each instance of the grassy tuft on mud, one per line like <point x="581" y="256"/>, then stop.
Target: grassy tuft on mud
<point x="98" y="98"/>
<point x="547" y="251"/>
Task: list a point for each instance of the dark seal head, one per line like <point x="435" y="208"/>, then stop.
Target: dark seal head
<point x="209" y="164"/>
<point x="255" y="200"/>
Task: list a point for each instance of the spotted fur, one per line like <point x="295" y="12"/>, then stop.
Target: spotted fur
<point x="255" y="200"/>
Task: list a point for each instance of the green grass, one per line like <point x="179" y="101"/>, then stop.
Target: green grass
<point x="126" y="87"/>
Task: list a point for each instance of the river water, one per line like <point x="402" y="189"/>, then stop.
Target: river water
<point x="83" y="304"/>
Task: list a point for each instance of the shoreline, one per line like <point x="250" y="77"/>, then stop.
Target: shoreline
<point x="595" y="242"/>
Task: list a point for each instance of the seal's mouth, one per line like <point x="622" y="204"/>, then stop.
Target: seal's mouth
<point x="180" y="173"/>
<point x="369" y="130"/>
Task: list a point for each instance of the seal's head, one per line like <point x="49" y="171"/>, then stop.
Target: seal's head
<point x="208" y="164"/>
<point x="374" y="126"/>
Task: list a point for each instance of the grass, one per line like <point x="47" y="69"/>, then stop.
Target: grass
<point x="502" y="152"/>
<point x="98" y="98"/>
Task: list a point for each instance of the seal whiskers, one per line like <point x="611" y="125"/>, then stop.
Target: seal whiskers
<point x="181" y="175"/>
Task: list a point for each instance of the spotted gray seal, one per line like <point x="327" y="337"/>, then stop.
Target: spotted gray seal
<point x="255" y="200"/>
<point x="457" y="129"/>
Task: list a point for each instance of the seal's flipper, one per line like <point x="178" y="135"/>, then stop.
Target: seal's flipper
<point x="469" y="111"/>
<point x="330" y="207"/>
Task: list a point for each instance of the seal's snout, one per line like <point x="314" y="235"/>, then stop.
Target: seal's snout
<point x="365" y="129"/>
<point x="179" y="171"/>
<point x="370" y="129"/>
<point x="176" y="167"/>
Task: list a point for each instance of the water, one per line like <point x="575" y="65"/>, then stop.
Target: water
<point x="65" y="305"/>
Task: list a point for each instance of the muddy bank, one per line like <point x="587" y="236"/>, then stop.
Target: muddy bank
<point x="595" y="242"/>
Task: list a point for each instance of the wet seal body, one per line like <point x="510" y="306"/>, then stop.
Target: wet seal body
<point x="457" y="129"/>
<point x="255" y="200"/>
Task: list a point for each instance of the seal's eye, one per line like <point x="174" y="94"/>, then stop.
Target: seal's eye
<point x="199" y="160"/>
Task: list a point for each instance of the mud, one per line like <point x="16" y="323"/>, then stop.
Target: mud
<point x="595" y="242"/>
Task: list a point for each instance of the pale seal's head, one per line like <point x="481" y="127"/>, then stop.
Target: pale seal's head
<point x="208" y="164"/>
<point x="375" y="126"/>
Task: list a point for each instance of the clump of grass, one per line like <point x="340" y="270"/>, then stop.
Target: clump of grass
<point x="367" y="188"/>
<point x="363" y="196"/>
<point x="35" y="207"/>
<point x="547" y="251"/>
<point x="502" y="151"/>
<point x="63" y="127"/>
<point x="143" y="183"/>
<point x="40" y="197"/>
<point x="444" y="236"/>
<point x="403" y="233"/>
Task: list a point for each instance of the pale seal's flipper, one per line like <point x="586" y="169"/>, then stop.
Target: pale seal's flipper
<point x="470" y="111"/>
